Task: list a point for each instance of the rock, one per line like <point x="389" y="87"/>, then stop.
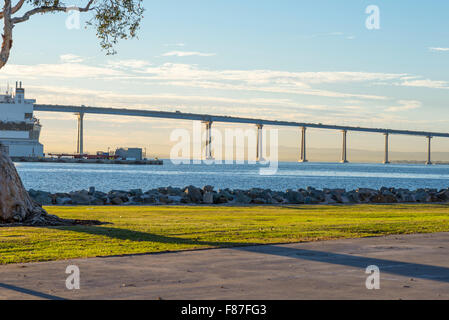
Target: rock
<point x="259" y="201"/>
<point x="310" y="200"/>
<point x="258" y="196"/>
<point x="80" y="198"/>
<point x="123" y="195"/>
<point x="100" y="196"/>
<point x="255" y="193"/>
<point x="383" y="198"/>
<point x="98" y="202"/>
<point x="43" y="198"/>
<point x="175" y="199"/>
<point x="345" y="199"/>
<point x="136" y="192"/>
<point x="366" y="194"/>
<point x="295" y="197"/>
<point x="241" y="198"/>
<point x="268" y="198"/>
<point x="208" y="188"/>
<point x="164" y="199"/>
<point x="208" y="197"/>
<point x="316" y="194"/>
<point x="175" y="192"/>
<point x="147" y="199"/>
<point x="225" y="194"/>
<point x="279" y="197"/>
<point x="63" y="201"/>
<point x="194" y="194"/>
<point x="137" y="199"/>
<point x="117" y="201"/>
<point x="443" y="195"/>
<point x="185" y="199"/>
<point x="387" y="193"/>
<point x="329" y="199"/>
<point x="422" y="196"/>
<point x="220" y="198"/>
<point x="407" y="197"/>
<point x="352" y="197"/>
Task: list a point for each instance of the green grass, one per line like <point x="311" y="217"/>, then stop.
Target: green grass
<point x="136" y="230"/>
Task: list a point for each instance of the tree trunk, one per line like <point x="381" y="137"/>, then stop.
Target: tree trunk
<point x="16" y="206"/>
<point x="7" y="34"/>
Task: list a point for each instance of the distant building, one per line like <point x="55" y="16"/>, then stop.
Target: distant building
<point x="129" y="153"/>
<point x="19" y="129"/>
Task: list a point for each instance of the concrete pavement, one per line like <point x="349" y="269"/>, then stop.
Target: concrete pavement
<point x="411" y="266"/>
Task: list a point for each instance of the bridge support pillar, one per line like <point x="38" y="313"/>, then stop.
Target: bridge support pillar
<point x="208" y="140"/>
<point x="387" y="158"/>
<point x="259" y="155"/>
<point x="80" y="142"/>
<point x="344" y="154"/>
<point x="303" y="156"/>
<point x="429" y="150"/>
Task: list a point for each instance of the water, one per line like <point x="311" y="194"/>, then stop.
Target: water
<point x="69" y="177"/>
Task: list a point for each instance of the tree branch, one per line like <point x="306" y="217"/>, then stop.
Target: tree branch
<point x="45" y="9"/>
<point x="16" y="8"/>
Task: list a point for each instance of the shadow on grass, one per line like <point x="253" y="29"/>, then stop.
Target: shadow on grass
<point x="132" y="235"/>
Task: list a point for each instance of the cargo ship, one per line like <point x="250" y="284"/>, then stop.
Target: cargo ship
<point x="19" y="129"/>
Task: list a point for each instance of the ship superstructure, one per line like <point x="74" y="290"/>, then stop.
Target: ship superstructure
<point x="19" y="129"/>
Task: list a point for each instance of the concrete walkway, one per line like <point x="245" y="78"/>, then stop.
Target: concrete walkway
<point x="412" y="267"/>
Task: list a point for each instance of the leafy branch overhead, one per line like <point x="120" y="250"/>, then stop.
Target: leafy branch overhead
<point x="113" y="20"/>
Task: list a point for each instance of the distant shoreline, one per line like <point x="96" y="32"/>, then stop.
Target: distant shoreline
<point x="162" y="161"/>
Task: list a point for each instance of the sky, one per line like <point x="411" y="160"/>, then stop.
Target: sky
<point x="305" y="61"/>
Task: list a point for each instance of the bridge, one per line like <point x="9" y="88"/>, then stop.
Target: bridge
<point x="208" y="120"/>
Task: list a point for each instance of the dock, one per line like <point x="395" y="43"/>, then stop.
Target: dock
<point x="153" y="162"/>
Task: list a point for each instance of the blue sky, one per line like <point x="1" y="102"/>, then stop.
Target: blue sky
<point x="312" y="61"/>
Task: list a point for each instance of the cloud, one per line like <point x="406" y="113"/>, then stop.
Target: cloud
<point x="187" y="54"/>
<point x="71" y="58"/>
<point x="129" y="64"/>
<point x="426" y="83"/>
<point x="405" y="105"/>
<point x="123" y="98"/>
<point x="439" y="49"/>
<point x="58" y="71"/>
<point x="278" y="84"/>
<point x="187" y="75"/>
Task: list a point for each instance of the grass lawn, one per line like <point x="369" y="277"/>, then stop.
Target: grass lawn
<point x="157" y="229"/>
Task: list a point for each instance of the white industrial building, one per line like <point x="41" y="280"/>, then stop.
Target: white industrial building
<point x="19" y="129"/>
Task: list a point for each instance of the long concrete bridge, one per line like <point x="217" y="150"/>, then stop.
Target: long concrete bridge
<point x="208" y="120"/>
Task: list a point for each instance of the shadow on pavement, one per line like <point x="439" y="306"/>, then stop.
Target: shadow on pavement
<point x="33" y="293"/>
<point x="406" y="269"/>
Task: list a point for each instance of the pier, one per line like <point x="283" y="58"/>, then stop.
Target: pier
<point x="154" y="162"/>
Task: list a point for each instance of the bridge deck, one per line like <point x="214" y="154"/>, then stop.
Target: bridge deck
<point x="214" y="118"/>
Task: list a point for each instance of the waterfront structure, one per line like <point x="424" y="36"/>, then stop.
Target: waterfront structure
<point x="208" y="120"/>
<point x="19" y="129"/>
<point x="129" y="154"/>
